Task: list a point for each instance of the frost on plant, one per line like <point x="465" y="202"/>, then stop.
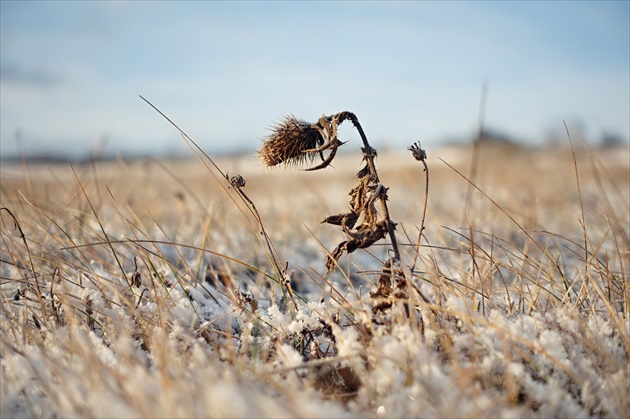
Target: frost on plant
<point x="132" y="304"/>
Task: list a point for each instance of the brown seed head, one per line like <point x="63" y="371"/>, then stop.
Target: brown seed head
<point x="291" y="142"/>
<point x="417" y="151"/>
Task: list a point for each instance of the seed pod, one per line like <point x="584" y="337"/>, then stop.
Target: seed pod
<point x="291" y="142"/>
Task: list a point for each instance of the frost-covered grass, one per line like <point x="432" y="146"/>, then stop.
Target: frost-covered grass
<point x="147" y="289"/>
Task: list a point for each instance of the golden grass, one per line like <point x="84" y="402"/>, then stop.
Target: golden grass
<point x="146" y="288"/>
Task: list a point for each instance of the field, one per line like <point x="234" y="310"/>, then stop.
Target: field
<point x="162" y="289"/>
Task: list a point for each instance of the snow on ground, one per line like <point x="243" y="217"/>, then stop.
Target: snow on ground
<point x="521" y="319"/>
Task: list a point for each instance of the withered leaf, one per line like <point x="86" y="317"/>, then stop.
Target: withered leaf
<point x="347" y="220"/>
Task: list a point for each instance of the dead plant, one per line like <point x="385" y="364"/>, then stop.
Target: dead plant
<point x="294" y="141"/>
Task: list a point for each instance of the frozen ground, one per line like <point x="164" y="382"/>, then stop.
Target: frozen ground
<point x="146" y="289"/>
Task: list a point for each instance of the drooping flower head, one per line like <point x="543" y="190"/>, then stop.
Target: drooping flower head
<point x="292" y="141"/>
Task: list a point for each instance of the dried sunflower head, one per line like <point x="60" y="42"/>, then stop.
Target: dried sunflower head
<point x="292" y="141"/>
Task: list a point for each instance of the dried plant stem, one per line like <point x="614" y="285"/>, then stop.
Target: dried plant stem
<point x="101" y="226"/>
<point x="421" y="155"/>
<point x="30" y="258"/>
<point x="368" y="155"/>
<point x="544" y="251"/>
<point x="237" y="182"/>
<point x="577" y="180"/>
<point x="474" y="159"/>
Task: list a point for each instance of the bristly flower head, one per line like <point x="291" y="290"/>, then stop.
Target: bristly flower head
<point x="292" y="141"/>
<point x="417" y="151"/>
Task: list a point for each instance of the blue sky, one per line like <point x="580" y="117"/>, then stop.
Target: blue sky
<point x="71" y="72"/>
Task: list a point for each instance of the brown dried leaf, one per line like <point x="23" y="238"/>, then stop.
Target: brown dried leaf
<point x="359" y="241"/>
<point x="347" y="221"/>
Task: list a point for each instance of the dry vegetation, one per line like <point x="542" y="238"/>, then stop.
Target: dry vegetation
<point x="211" y="288"/>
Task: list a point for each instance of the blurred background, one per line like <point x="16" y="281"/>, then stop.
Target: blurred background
<point x="71" y="72"/>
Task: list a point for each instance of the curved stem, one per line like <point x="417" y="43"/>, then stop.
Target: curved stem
<point x="328" y="159"/>
<point x="344" y="116"/>
<point x="421" y="155"/>
<point x="424" y="214"/>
